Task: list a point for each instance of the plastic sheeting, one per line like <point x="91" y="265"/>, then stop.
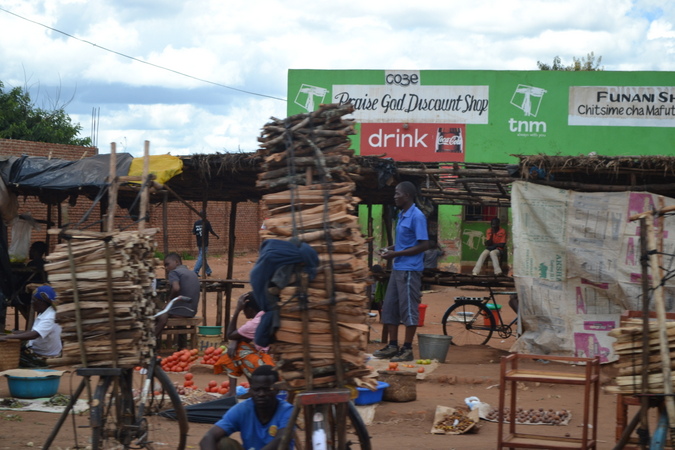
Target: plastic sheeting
<point x="208" y="412"/>
<point x="59" y="174"/>
<point x="164" y="167"/>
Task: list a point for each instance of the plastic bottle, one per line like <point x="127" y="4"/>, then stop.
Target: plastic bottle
<point x="319" y="434"/>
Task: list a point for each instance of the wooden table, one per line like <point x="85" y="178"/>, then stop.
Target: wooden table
<point x="219" y="286"/>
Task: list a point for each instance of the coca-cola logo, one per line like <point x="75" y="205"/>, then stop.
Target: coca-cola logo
<point x="453" y="140"/>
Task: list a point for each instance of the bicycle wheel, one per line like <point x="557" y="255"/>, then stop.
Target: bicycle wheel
<point x="114" y="420"/>
<point x="468" y="324"/>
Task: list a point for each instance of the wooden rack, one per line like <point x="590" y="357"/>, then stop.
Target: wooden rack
<point x="511" y="374"/>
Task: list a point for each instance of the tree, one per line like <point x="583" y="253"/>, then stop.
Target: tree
<point x="585" y="63"/>
<point x="21" y="119"/>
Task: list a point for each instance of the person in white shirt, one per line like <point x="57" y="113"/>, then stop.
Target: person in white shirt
<point x="44" y="339"/>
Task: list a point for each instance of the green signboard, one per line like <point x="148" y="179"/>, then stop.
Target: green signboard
<point x="486" y="116"/>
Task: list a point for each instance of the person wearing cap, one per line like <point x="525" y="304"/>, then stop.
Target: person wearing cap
<point x="243" y="354"/>
<point x="259" y="419"/>
<point x="44" y="339"/>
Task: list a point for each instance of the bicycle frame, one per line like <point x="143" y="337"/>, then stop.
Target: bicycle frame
<point x="492" y="298"/>
<point x="471" y="320"/>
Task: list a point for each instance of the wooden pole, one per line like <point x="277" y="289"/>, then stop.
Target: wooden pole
<point x="145" y="187"/>
<point x="205" y="236"/>
<point x="660" y="308"/>
<point x="165" y="221"/>
<point x="370" y="235"/>
<point x="111" y="302"/>
<point x="59" y="220"/>
<point x="112" y="203"/>
<point x="49" y="224"/>
<point x="644" y="261"/>
<point x="112" y="188"/>
<point x="76" y="300"/>
<point x="231" y="241"/>
<point x="182" y="200"/>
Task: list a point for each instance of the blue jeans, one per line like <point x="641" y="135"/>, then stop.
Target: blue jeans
<point x="200" y="261"/>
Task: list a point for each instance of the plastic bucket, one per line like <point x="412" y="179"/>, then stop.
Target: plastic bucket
<point x="423" y="310"/>
<point x="209" y="331"/>
<point x="434" y="346"/>
<point x="493" y="311"/>
<point x="206" y="341"/>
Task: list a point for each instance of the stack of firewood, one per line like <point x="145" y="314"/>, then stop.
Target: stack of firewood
<point x="306" y="161"/>
<point x="628" y="346"/>
<point x="127" y="273"/>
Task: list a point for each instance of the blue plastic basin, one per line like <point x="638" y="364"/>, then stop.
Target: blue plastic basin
<point x="34" y="387"/>
<point x="368" y="397"/>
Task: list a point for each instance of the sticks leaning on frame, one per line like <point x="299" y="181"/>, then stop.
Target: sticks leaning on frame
<point x="659" y="305"/>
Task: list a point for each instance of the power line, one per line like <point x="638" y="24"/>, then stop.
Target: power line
<point x="141" y="61"/>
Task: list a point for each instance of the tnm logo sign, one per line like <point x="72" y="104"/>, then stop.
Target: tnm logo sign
<point x="528" y="99"/>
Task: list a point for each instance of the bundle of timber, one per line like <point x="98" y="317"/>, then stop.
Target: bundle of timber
<point x="628" y="346"/>
<point x="306" y="162"/>
<point x="110" y="269"/>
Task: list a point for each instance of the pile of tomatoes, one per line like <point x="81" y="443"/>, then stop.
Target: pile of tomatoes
<point x="394" y="366"/>
<point x="215" y="388"/>
<point x="212" y="355"/>
<point x="180" y="361"/>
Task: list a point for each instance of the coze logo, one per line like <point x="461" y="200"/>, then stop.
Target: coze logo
<point x="402" y="79"/>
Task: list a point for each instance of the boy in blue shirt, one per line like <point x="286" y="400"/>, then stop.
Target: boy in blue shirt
<point x="260" y="419"/>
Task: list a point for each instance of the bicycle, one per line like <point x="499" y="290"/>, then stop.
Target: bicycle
<point x="471" y="322"/>
<point x="343" y="426"/>
<point x="121" y="420"/>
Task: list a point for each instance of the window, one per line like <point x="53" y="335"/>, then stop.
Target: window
<point x="480" y="213"/>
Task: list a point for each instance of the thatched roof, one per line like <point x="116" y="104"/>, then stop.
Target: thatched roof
<point x="233" y="177"/>
<point x="595" y="173"/>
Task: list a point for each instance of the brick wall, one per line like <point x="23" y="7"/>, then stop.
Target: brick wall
<point x="180" y="218"/>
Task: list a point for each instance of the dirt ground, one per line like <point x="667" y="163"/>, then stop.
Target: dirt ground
<point x="468" y="371"/>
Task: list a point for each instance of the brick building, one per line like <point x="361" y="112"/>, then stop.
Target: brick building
<point x="180" y="217"/>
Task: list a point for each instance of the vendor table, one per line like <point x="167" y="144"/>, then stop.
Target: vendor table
<point x="220" y="286"/>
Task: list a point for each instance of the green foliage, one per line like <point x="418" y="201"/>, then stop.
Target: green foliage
<point x="20" y="119"/>
<point x="159" y="255"/>
<point x="585" y="63"/>
<point x="185" y="256"/>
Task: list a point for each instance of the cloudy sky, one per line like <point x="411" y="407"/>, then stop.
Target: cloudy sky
<point x="204" y="76"/>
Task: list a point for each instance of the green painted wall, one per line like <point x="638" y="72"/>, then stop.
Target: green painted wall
<point x="506" y="113"/>
<point x="494" y="141"/>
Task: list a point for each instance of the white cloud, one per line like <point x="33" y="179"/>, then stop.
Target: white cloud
<point x="251" y="45"/>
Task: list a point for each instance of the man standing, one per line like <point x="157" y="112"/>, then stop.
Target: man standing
<point x="201" y="230"/>
<point x="495" y="245"/>
<point x="403" y="296"/>
<point x="182" y="281"/>
<point x="260" y="419"/>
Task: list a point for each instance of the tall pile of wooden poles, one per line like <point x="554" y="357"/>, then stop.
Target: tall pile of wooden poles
<point x="104" y="283"/>
<point x="646" y="348"/>
<point x="84" y="271"/>
<point x="306" y="160"/>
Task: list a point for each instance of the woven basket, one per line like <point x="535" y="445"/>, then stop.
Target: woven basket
<point x="10" y="353"/>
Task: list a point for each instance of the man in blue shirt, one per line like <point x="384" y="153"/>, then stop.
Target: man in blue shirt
<point x="403" y="296"/>
<point x="260" y="419"/>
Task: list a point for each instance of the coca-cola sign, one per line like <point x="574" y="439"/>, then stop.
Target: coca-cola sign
<point x="430" y="142"/>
